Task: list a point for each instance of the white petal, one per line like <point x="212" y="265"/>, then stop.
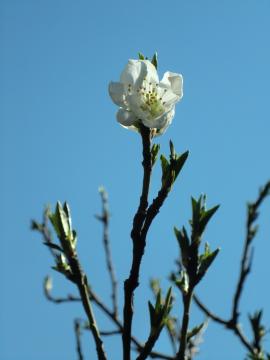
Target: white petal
<point x="126" y="118"/>
<point x="117" y="93"/>
<point x="151" y="72"/>
<point x="162" y="122"/>
<point x="133" y="73"/>
<point x="173" y="81"/>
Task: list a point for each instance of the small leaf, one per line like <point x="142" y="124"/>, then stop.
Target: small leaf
<point x="152" y="314"/>
<point x="36" y="226"/>
<point x="183" y="241"/>
<point x="172" y="151"/>
<point x="195" y="331"/>
<point x="66" y="209"/>
<point x="48" y="284"/>
<point x="154" y="153"/>
<point x="179" y="163"/>
<point x="155" y="285"/>
<point x="141" y="56"/>
<point x="168" y="303"/>
<point x="63" y="220"/>
<point x="206" y="216"/>
<point x="154" y="60"/>
<point x="165" y="169"/>
<point x="158" y="302"/>
<point x="53" y="246"/>
<point x="205" y="262"/>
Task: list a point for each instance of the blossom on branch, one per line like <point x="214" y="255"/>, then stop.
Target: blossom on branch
<point x="142" y="98"/>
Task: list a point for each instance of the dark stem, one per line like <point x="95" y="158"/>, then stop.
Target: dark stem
<point x="81" y="281"/>
<point x="105" y="220"/>
<point x="209" y="313"/>
<point x="246" y="261"/>
<point x="77" y="330"/>
<point x="185" y="321"/>
<point x="138" y="243"/>
<point x="150" y="343"/>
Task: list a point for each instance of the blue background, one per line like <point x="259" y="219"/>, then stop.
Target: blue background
<point x="59" y="140"/>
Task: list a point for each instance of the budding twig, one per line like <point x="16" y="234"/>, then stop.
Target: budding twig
<point x="245" y="267"/>
<point x="104" y="218"/>
<point x="77" y="329"/>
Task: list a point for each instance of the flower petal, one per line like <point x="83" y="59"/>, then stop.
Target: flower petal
<point x="151" y="72"/>
<point x="133" y="73"/>
<point x="117" y="93"/>
<point x="161" y="122"/>
<point x="125" y="118"/>
<point x="173" y="81"/>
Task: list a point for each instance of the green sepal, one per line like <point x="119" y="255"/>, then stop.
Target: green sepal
<point x="154" y="60"/>
<point x="141" y="56"/>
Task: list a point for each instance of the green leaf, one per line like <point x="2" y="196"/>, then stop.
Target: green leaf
<point x="183" y="241"/>
<point x="172" y="151"/>
<point x="158" y="305"/>
<point x="141" y="56"/>
<point x="155" y="286"/>
<point x="154" y="60"/>
<point x="179" y="163"/>
<point x="168" y="303"/>
<point x="60" y="222"/>
<point x="154" y="153"/>
<point x="66" y="209"/>
<point x="152" y="314"/>
<point x="195" y="331"/>
<point x="36" y="226"/>
<point x="53" y="246"/>
<point x="165" y="168"/>
<point x="206" y="216"/>
<point x="205" y="261"/>
<point x="196" y="212"/>
<point x="63" y="220"/>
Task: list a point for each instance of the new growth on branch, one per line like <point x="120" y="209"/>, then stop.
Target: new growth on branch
<point x="147" y="106"/>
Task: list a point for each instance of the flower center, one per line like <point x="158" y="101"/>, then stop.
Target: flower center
<point x="150" y="99"/>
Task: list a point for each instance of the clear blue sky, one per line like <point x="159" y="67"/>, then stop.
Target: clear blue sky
<point x="59" y="140"/>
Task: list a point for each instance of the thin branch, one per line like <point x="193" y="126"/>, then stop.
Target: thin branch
<point x="110" y="332"/>
<point x="187" y="298"/>
<point x="252" y="214"/>
<point x="77" y="329"/>
<point x="245" y="267"/>
<point x="229" y="324"/>
<point x="138" y="243"/>
<point x="82" y="284"/>
<point x="209" y="313"/>
<point x="104" y="218"/>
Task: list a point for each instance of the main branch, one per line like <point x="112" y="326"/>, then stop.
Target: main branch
<point x="138" y="242"/>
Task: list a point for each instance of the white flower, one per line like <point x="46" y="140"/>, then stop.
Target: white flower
<point x="143" y="98"/>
